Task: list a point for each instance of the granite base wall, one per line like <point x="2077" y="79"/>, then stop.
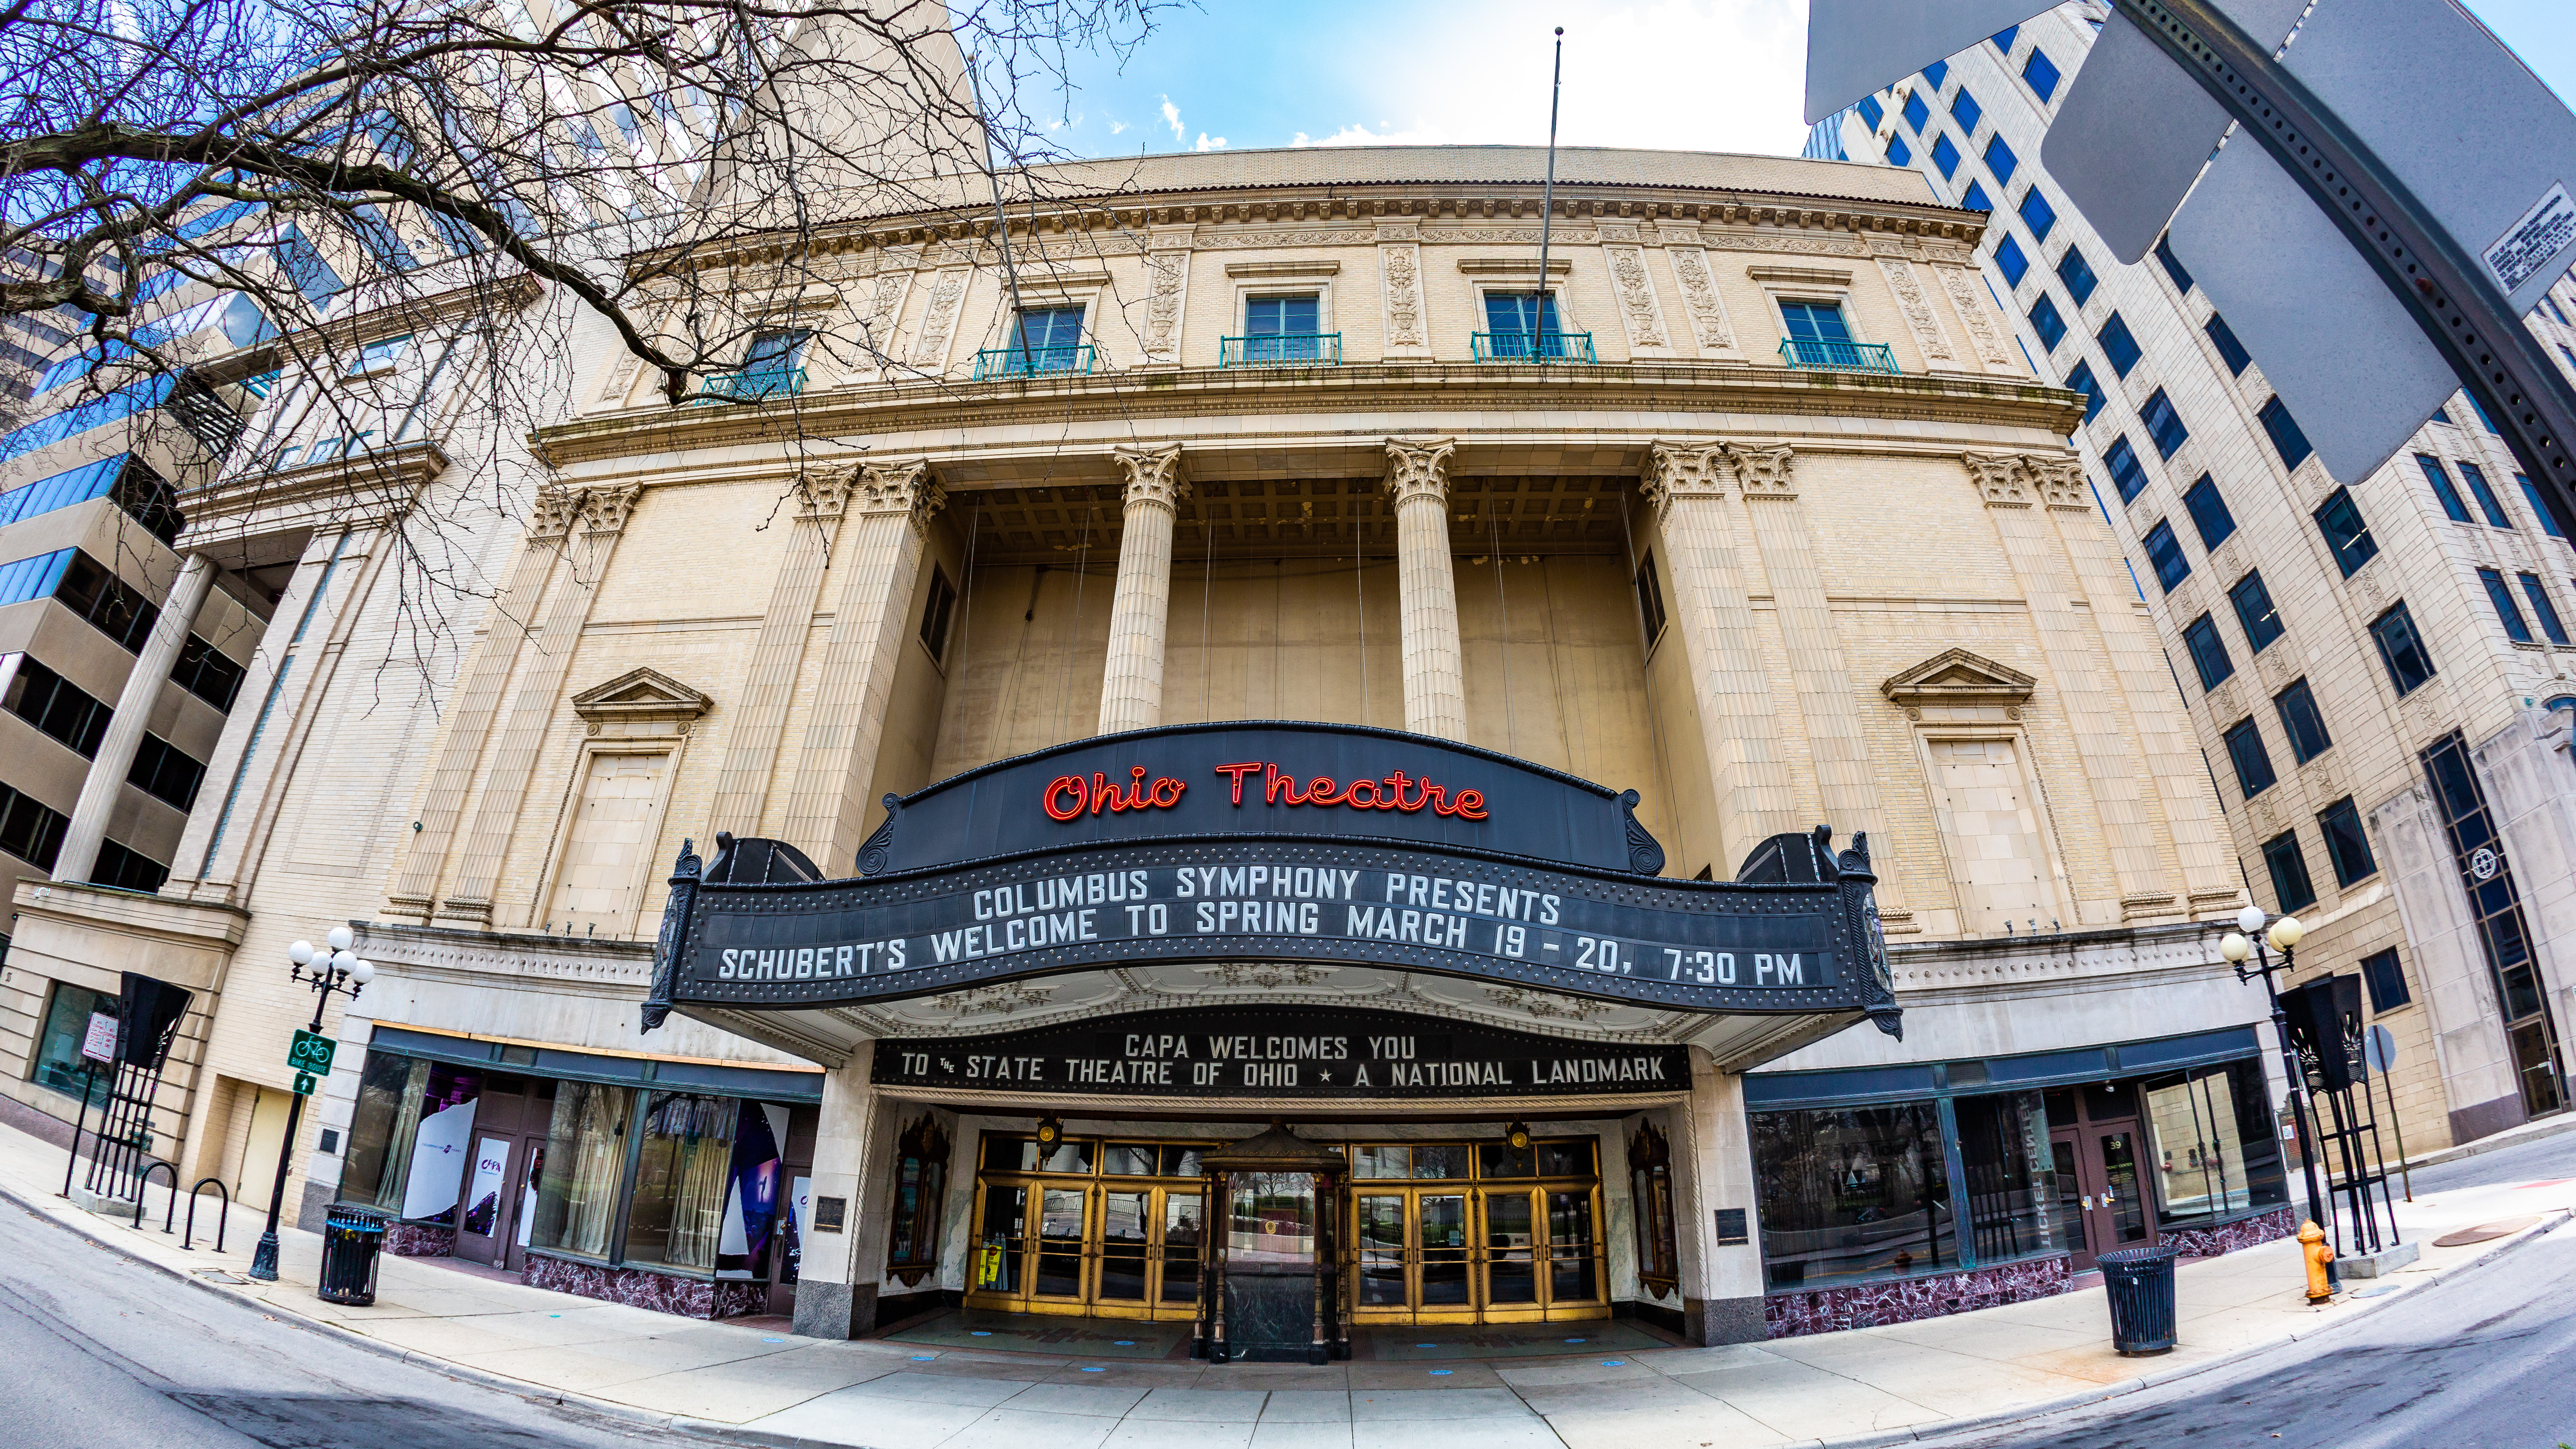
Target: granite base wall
<point x="420" y="1240"/>
<point x="1903" y="1300"/>
<point x="661" y="1292"/>
<point x="2228" y="1237"/>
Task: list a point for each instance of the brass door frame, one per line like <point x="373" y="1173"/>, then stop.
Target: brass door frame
<point x="1543" y="1307"/>
<point x="1087" y="1303"/>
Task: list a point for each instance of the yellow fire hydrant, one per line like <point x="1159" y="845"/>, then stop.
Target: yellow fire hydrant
<point x="2312" y="1247"/>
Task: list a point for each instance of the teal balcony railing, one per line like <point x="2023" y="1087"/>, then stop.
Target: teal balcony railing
<point x="1820" y="356"/>
<point x="995" y="362"/>
<point x="753" y="384"/>
<point x="1533" y="347"/>
<point x="1286" y="349"/>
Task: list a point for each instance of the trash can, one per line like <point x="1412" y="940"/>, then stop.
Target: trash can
<point x="352" y="1236"/>
<point x="2140" y="1285"/>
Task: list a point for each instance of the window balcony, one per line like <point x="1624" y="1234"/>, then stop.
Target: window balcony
<point x="1281" y="349"/>
<point x="1027" y="361"/>
<point x="1533" y="347"/>
<point x="1814" y="355"/>
<point x="753" y="384"/>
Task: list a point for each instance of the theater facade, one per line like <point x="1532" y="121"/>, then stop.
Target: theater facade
<point x="1287" y="767"/>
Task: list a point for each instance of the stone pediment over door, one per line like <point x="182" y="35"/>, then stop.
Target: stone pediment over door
<point x="1960" y="685"/>
<point x="640" y="701"/>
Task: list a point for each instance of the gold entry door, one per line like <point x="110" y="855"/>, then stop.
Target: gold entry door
<point x="1518" y="1252"/>
<point x="1414" y="1253"/>
<point x="1085" y="1241"/>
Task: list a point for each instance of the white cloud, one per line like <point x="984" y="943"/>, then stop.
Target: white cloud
<point x="1115" y="127"/>
<point x="1209" y="143"/>
<point x="1172" y="118"/>
<point x="1698" y="75"/>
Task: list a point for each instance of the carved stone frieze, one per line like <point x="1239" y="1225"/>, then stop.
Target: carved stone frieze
<point x="1401" y="266"/>
<point x="1790" y="242"/>
<point x="1166" y="272"/>
<point x="1336" y="237"/>
<point x="1700" y="297"/>
<point x="1974" y="314"/>
<point x="1929" y="334"/>
<point x="1639" y="310"/>
<point x="939" y="322"/>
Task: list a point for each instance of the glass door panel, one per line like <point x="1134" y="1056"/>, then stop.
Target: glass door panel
<point x="1060" y="1225"/>
<point x="1182" y="1218"/>
<point x="1124" y="1217"/>
<point x="1380" y="1241"/>
<point x="1573" y="1268"/>
<point x="1511" y="1248"/>
<point x="1441" y="1222"/>
<point x="2127" y="1210"/>
<point x="2074" y="1204"/>
<point x="1001" y="1239"/>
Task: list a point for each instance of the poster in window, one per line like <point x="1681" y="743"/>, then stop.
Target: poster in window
<point x="438" y="1163"/>
<point x="751" y="1194"/>
<point x="483" y="1199"/>
<point x="800" y="1218"/>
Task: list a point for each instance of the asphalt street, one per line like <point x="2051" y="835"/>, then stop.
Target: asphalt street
<point x="102" y="1350"/>
<point x="2486" y="1360"/>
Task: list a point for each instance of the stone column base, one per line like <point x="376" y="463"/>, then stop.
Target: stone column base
<point x="834" y="1310"/>
<point x="1712" y="1321"/>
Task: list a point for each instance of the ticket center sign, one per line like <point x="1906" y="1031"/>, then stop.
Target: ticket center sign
<point x="1274" y="842"/>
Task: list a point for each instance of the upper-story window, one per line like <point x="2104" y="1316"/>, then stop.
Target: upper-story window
<point x="379" y="355"/>
<point x="2172" y="264"/>
<point x="2165" y="552"/>
<point x="2010" y="261"/>
<point x="1819" y="336"/>
<point x="1975" y="198"/>
<point x="773" y="364"/>
<point x="2452" y="507"/>
<point x="2208" y="652"/>
<point x="2077" y="274"/>
<point x="1525" y="325"/>
<point x="2287" y="440"/>
<point x="1898" y="153"/>
<point x="2045" y="321"/>
<point x="2118" y="345"/>
<point x="1964" y="106"/>
<point x="2004" y="38"/>
<point x="2037" y="213"/>
<point x="2531" y="495"/>
<point x="2000" y="159"/>
<point x="2163" y="423"/>
<point x="1815" y="321"/>
<point x="1945" y="155"/>
<point x="2552" y="627"/>
<point x="2507" y="613"/>
<point x="2041" y="72"/>
<point x="1916" y="113"/>
<point x="2401" y="648"/>
<point x="2488" y="503"/>
<point x="1937" y="72"/>
<point x="2254" y="610"/>
<point x="2126" y="474"/>
<point x="2230" y="351"/>
<point x="2209" y="512"/>
<point x="2339" y="519"/>
<point x="2082" y="380"/>
<point x="1043" y="339"/>
<point x="1284" y="329"/>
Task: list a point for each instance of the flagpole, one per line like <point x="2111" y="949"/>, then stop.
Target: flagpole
<point x="1547" y="196"/>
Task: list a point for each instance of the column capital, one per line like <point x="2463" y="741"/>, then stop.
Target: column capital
<point x="824" y="493"/>
<point x="1678" y="470"/>
<point x="1153" y="475"/>
<point x="905" y="488"/>
<point x="1764" y="470"/>
<point x="592" y="508"/>
<point x="2018" y="480"/>
<point x="1419" y="470"/>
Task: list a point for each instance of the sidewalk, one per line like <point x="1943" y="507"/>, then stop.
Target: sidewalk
<point x="1867" y="1386"/>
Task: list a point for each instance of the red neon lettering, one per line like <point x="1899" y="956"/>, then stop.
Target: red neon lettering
<point x="1275" y="784"/>
<point x="1398" y="802"/>
<point x="1319" y="791"/>
<point x="1373" y="802"/>
<point x="1059" y="785"/>
<point x="1436" y="796"/>
<point x="1101" y="794"/>
<point x="1238" y="772"/>
<point x="1471" y="805"/>
<point x="1157" y="796"/>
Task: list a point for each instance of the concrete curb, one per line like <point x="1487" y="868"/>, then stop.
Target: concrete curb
<point x="718" y="1430"/>
<point x="2361" y="1309"/>
<point x="2548" y="1128"/>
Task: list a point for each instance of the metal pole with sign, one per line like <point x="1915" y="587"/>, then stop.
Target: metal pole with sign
<point x="2379" y="1052"/>
<point x="337" y="969"/>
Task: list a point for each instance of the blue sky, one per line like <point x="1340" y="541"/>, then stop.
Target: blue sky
<point x="1716" y="75"/>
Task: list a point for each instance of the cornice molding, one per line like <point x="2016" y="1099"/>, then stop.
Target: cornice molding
<point x="875" y="408"/>
<point x="376" y="487"/>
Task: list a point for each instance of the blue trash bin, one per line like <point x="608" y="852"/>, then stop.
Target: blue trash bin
<point x="2140" y="1284"/>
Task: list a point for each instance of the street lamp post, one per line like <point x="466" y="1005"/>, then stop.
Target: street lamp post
<point x="2238" y="946"/>
<point x="336" y="968"/>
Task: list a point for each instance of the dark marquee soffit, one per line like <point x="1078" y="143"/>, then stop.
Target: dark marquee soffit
<point x="1007" y="873"/>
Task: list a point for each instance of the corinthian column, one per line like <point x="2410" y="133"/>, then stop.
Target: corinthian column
<point x="1131" y="691"/>
<point x="1435" y="685"/>
<point x="891" y="511"/>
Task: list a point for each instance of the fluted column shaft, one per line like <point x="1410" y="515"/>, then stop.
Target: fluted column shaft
<point x="125" y="728"/>
<point x="1435" y="681"/>
<point x="1131" y="688"/>
<point x="778" y="654"/>
<point x="891" y="511"/>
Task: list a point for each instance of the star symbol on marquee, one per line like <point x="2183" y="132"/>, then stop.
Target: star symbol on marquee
<point x="1327" y="1076"/>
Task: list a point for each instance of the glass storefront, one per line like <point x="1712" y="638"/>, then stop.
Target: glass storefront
<point x="2079" y="1157"/>
<point x="664" y="1178"/>
<point x="59" y="1063"/>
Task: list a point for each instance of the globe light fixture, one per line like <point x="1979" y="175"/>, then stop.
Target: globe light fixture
<point x="340" y="938"/>
<point x="336" y="968"/>
<point x="301" y="953"/>
<point x="2250" y="919"/>
<point x="2287" y="933"/>
<point x="2236" y="948"/>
